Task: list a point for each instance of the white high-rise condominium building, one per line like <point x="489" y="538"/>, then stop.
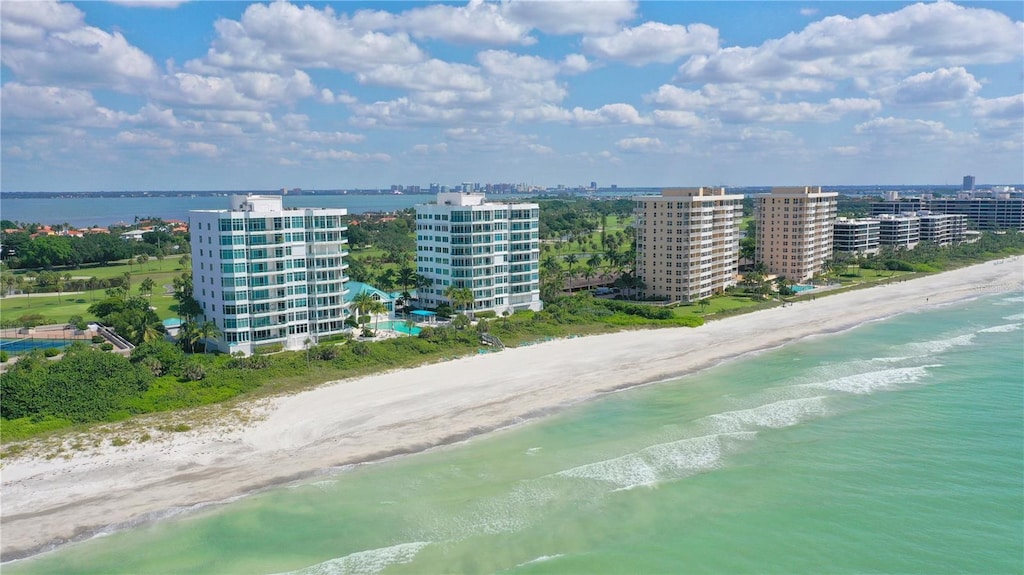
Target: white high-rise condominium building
<point x="794" y="230"/>
<point x="266" y="274"/>
<point x="492" y="248"/>
<point x="687" y="242"/>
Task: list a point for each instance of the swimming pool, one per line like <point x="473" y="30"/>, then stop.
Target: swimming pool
<point x="801" y="288"/>
<point x="28" y="344"/>
<point x="399" y="326"/>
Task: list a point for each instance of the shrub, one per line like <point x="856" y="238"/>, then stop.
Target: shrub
<point x="85" y="385"/>
<point x="31" y="320"/>
<point x="98" y="339"/>
<point x="324" y="351"/>
<point x="194" y="371"/>
<point x="51" y="352"/>
<point x="268" y="348"/>
<point x="3" y="357"/>
<point x="159" y="356"/>
<point x="488" y="314"/>
<point x="106" y="346"/>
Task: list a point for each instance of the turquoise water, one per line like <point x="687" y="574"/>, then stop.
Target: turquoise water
<point x="399" y="326"/>
<point x="801" y="288"/>
<point x="896" y="447"/>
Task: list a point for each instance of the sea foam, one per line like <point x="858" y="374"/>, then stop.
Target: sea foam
<point x="872" y="381"/>
<point x="941" y="345"/>
<point x="1001" y="328"/>
<point x="660" y="462"/>
<point x="367" y="562"/>
<point x="769" y="416"/>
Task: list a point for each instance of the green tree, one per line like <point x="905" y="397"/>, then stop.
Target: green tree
<point x="386" y="279"/>
<point x="207" y="331"/>
<point x="406" y="278"/>
<point x="59" y="285"/>
<point x="146" y="287"/>
<point x="363" y="302"/>
<point x="572" y="260"/>
<point x="461" y="297"/>
<point x="47" y="252"/>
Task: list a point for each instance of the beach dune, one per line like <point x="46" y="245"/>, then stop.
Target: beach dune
<point x="49" y="501"/>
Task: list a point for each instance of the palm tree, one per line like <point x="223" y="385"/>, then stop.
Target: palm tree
<point x="703" y="303"/>
<point x="9" y="282"/>
<point x="187" y="334"/>
<point x="461" y="297"/>
<point x="377" y="309"/>
<point x="588" y="273"/>
<point x="206" y="331"/>
<point x="127" y="281"/>
<point x="406" y="278"/>
<point x="146" y="287"/>
<point x="571" y="259"/>
<point x="363" y="302"/>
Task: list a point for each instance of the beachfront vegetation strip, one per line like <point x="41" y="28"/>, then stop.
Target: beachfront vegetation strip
<point x="39" y="394"/>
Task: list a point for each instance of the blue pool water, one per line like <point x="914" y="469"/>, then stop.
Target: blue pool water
<point x="399" y="326"/>
<point x="801" y="288"/>
<point x="23" y="345"/>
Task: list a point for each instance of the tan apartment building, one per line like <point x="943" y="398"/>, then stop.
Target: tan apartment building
<point x="795" y="230"/>
<point x="687" y="242"/>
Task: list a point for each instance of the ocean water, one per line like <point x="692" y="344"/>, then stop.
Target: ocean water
<point x="895" y="447"/>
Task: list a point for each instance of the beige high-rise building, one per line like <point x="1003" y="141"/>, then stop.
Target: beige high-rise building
<point x="794" y="230"/>
<point x="688" y="242"/>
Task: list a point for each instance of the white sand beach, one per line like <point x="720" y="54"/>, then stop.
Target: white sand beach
<point x="46" y="501"/>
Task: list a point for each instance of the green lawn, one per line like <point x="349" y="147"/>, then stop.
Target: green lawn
<point x="57" y="309"/>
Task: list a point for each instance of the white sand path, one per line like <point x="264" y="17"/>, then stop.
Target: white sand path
<point x="45" y="502"/>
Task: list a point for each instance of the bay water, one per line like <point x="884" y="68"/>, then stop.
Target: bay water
<point x="87" y="210"/>
<point x="894" y="447"/>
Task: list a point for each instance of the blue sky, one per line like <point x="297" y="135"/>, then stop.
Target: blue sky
<point x="137" y="94"/>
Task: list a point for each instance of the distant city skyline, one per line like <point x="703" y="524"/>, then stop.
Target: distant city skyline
<point x="173" y="95"/>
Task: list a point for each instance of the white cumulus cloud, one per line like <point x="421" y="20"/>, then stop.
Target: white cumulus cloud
<point x="654" y="42"/>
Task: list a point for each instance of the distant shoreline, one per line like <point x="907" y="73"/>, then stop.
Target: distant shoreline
<point x="48" y="502"/>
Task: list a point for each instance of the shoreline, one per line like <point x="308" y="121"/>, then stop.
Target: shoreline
<point x="50" y="502"/>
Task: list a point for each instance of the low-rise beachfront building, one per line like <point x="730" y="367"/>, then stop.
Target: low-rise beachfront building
<point x="687" y="242"/>
<point x="983" y="209"/>
<point x="903" y="230"/>
<point x="795" y="230"/>
<point x="943" y="229"/>
<point x="269" y="275"/>
<point x="983" y="213"/>
<point x="492" y="248"/>
<point x="352" y="291"/>
<point x="856" y="236"/>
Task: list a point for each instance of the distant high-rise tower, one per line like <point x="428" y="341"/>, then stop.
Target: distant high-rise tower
<point x="968" y="184"/>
